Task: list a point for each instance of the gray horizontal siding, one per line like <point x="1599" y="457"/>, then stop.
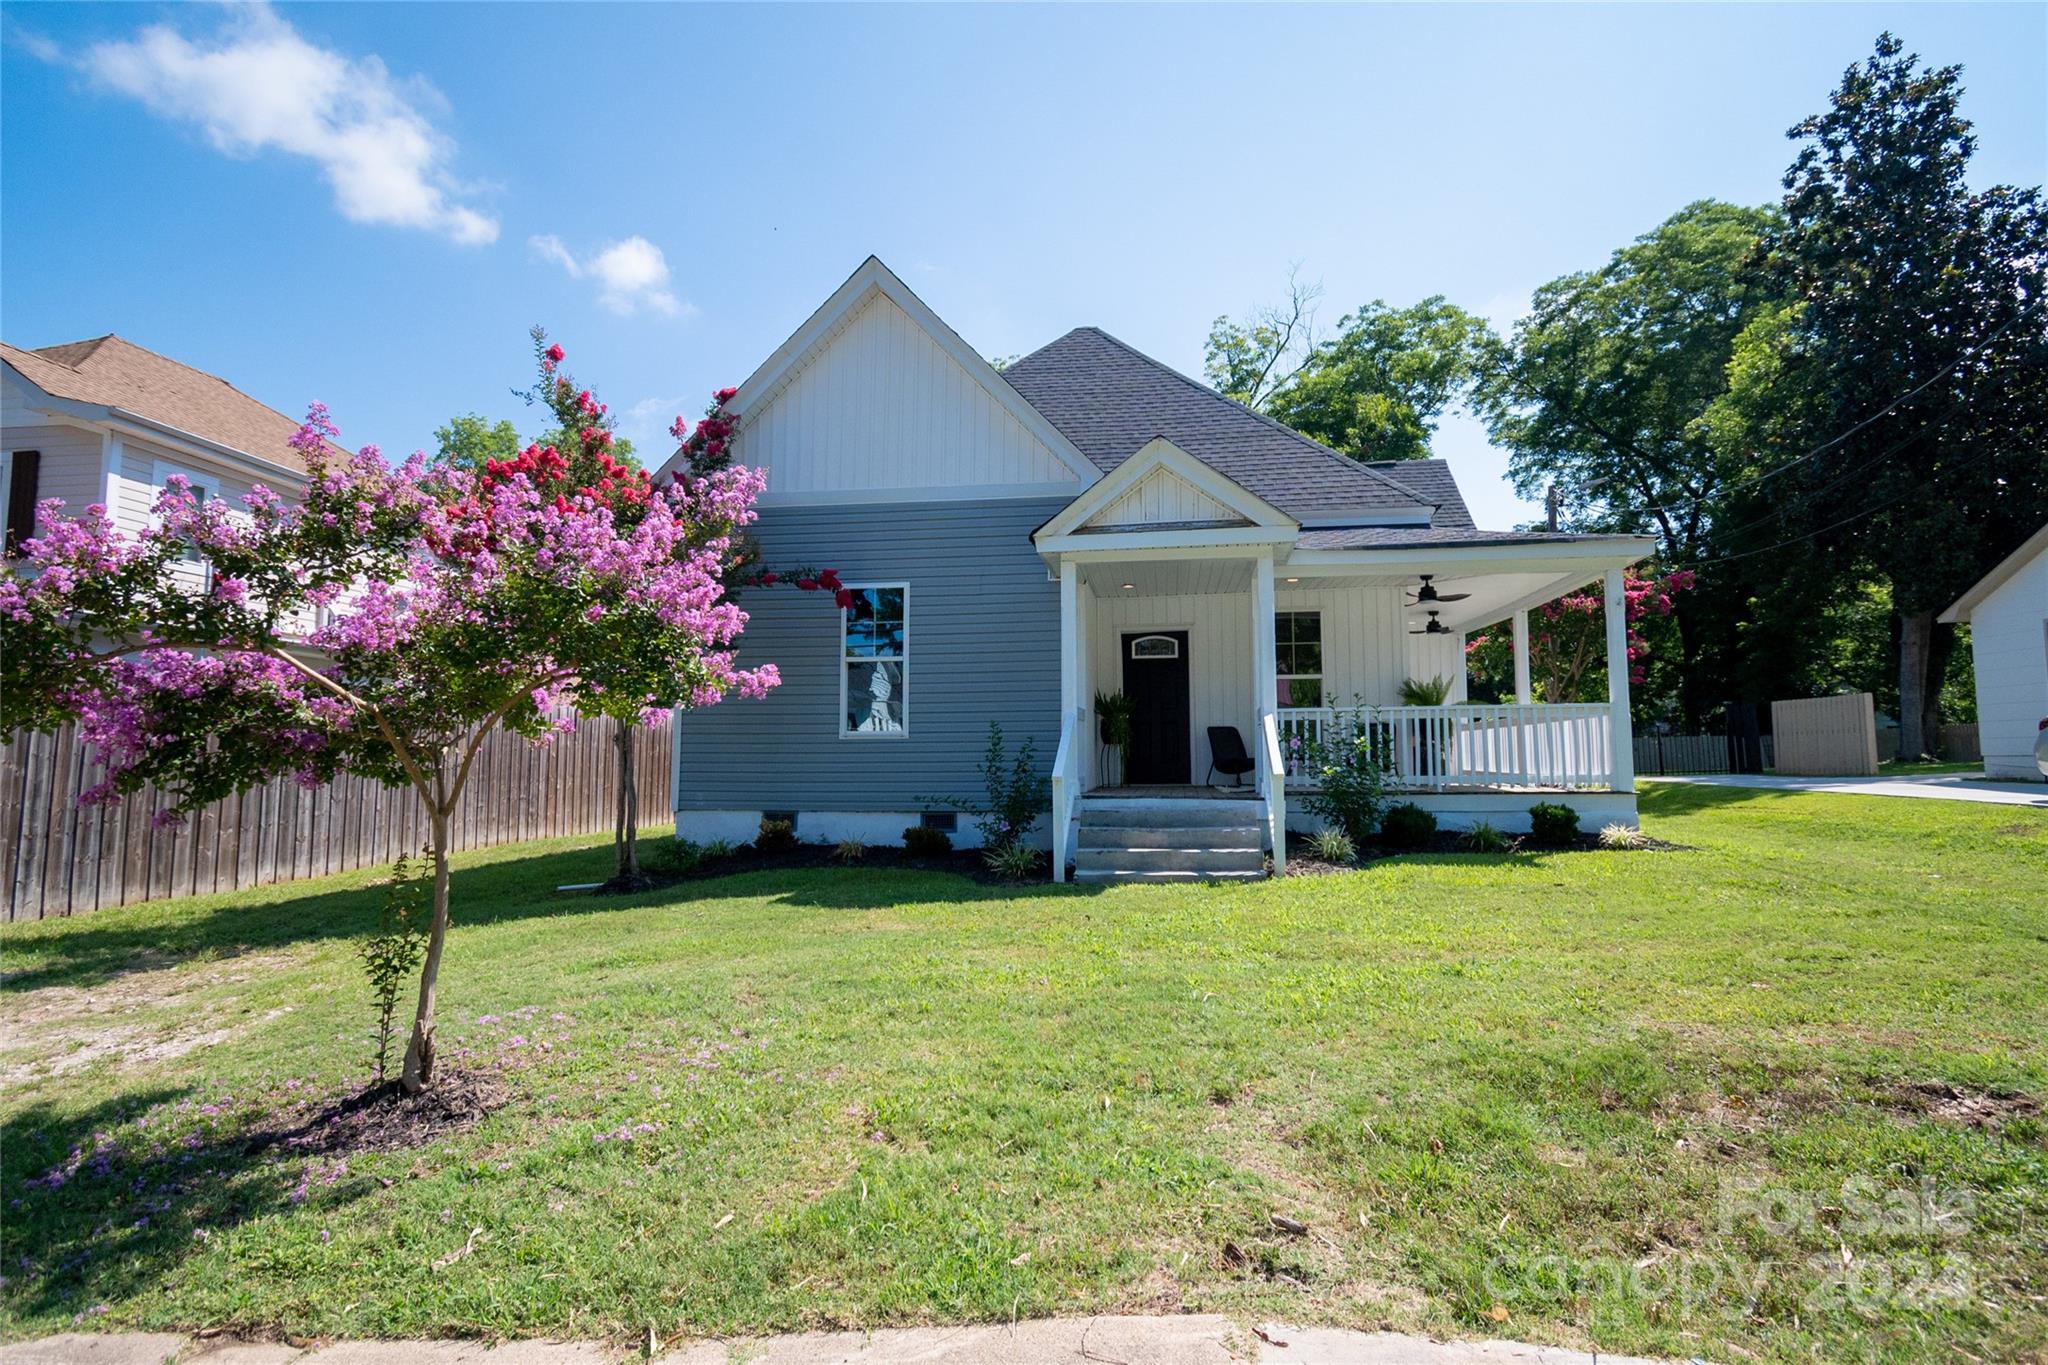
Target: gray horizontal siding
<point x="984" y="643"/>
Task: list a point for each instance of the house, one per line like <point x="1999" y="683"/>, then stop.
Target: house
<point x="1090" y="521"/>
<point x="107" y="421"/>
<point x="2008" y="615"/>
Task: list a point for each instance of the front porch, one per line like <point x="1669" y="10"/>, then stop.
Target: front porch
<point x="1237" y="639"/>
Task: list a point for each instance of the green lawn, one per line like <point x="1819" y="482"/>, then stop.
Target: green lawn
<point x="1706" y="1102"/>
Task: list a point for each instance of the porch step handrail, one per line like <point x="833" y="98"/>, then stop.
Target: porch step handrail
<point x="1563" y="745"/>
<point x="1066" y="790"/>
<point x="1273" y="787"/>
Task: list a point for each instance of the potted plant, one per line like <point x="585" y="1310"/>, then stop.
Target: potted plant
<point x="1113" y="723"/>
<point x="1428" y="748"/>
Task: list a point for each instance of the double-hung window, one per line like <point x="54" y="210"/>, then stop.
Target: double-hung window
<point x="874" y="666"/>
<point x="1298" y="648"/>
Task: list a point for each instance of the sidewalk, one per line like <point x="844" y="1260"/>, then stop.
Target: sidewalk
<point x="1935" y="786"/>
<point x="1182" y="1340"/>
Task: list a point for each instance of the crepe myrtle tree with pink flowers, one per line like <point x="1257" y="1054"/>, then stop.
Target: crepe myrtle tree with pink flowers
<point x="1568" y="641"/>
<point x="381" y="628"/>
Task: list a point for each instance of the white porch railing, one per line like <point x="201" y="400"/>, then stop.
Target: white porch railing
<point x="1066" y="789"/>
<point x="1431" y="748"/>
<point x="1272" y="779"/>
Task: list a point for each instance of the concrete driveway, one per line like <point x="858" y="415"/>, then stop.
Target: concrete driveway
<point x="1932" y="786"/>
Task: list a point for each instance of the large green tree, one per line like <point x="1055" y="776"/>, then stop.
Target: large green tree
<point x="1374" y="389"/>
<point x="1915" y="365"/>
<point x="1605" y="390"/>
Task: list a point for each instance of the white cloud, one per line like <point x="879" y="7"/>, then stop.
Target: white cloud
<point x="259" y="85"/>
<point x="630" y="275"/>
<point x="646" y="423"/>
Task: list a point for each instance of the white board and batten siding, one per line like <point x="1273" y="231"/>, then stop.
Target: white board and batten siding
<point x="879" y="407"/>
<point x="1367" y="652"/>
<point x="1162" y="498"/>
<point x="2009" y="637"/>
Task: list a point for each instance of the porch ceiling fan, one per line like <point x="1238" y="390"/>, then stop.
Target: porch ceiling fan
<point x="1435" y="627"/>
<point x="1427" y="593"/>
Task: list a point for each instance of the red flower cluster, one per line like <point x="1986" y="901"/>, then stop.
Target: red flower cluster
<point x="553" y="356"/>
<point x="630" y="484"/>
<point x="542" y="464"/>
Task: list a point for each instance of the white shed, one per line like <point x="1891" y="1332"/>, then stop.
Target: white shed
<point x="2008" y="615"/>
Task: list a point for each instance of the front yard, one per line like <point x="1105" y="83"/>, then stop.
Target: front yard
<point x="1775" y="1096"/>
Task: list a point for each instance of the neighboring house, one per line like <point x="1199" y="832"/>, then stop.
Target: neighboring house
<point x="1088" y="521"/>
<point x="2008" y="616"/>
<point x="105" y="421"/>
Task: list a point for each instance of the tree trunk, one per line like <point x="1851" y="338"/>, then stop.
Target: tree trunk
<point x="1916" y="651"/>
<point x="419" y="1053"/>
<point x="626" y="828"/>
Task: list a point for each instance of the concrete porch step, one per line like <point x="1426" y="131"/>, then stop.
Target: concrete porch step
<point x="1172" y="859"/>
<point x="1167" y="813"/>
<point x="1186" y="836"/>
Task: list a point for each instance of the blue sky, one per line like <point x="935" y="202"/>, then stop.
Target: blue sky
<point x="369" y="204"/>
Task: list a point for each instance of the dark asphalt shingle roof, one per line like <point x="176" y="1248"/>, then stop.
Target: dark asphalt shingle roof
<point x="1431" y="481"/>
<point x="1109" y="400"/>
<point x="1429" y="537"/>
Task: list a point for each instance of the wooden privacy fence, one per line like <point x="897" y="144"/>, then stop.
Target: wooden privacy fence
<point x="1825" y="736"/>
<point x="58" y="858"/>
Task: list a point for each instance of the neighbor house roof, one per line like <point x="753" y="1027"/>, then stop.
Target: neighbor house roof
<point x="2033" y="545"/>
<point x="112" y="373"/>
<point x="1110" y="400"/>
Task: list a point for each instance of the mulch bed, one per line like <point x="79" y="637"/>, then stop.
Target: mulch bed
<point x="1303" y="862"/>
<point x="966" y="863"/>
<point x="383" y="1118"/>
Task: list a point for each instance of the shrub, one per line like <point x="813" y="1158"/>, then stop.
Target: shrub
<point x="1407" y="826"/>
<point x="922" y="841"/>
<point x="674" y="858"/>
<point x="1487" y="838"/>
<point x="1618" y="835"/>
<point x="776" y="836"/>
<point x="1017" y="792"/>
<point x="1333" y="845"/>
<point x="390" y="954"/>
<point x="1013" y="862"/>
<point x="1351" y="774"/>
<point x="719" y="848"/>
<point x="850" y="850"/>
<point x="1553" y="822"/>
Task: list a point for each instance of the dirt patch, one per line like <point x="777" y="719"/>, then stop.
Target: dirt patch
<point x="384" y="1118"/>
<point x="1965" y="1108"/>
<point x="68" y="1028"/>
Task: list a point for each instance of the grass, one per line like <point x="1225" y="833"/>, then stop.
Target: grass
<point x="1927" y="768"/>
<point x="1682" y="1103"/>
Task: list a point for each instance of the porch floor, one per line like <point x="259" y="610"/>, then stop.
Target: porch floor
<point x="1186" y="791"/>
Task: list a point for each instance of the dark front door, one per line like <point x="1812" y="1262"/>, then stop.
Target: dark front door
<point x="1156" y="681"/>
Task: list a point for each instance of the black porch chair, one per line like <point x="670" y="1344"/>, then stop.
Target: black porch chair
<point x="1227" y="754"/>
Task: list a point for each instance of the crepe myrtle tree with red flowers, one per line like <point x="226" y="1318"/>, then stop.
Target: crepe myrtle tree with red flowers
<point x="382" y="628"/>
<point x="1568" y="641"/>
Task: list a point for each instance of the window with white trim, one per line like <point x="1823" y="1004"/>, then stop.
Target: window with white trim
<point x="202" y="487"/>
<point x="874" y="668"/>
<point x="1298" y="649"/>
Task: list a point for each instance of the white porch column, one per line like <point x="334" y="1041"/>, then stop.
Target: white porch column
<point x="1084" y="681"/>
<point x="1265" y="650"/>
<point x="1070" y="638"/>
<point x="1521" y="658"/>
<point x="1620" y="734"/>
